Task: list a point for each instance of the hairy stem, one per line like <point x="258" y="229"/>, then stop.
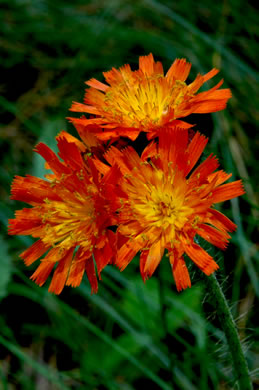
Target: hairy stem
<point x="219" y="302"/>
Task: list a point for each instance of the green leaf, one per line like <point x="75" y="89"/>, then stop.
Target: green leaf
<point x="46" y="371"/>
<point x="5" y="268"/>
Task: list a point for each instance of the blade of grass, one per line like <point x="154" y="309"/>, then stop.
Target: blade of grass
<point x="164" y="10"/>
<point x="142" y="339"/>
<point x="5" y="268"/>
<point x="52" y="302"/>
<point x="46" y="371"/>
<point x="3" y="379"/>
<point x="10" y="107"/>
<point x="171" y="299"/>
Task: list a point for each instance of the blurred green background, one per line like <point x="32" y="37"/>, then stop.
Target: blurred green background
<point x="130" y="335"/>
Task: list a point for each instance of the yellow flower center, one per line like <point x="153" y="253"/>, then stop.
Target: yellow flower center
<point x="143" y="102"/>
<point x="163" y="209"/>
<point x="69" y="223"/>
<point x="159" y="202"/>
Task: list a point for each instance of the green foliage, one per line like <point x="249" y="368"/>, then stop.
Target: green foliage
<point x="130" y="335"/>
<point x="5" y="268"/>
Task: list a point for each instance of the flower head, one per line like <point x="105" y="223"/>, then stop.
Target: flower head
<point x="146" y="99"/>
<point x="70" y="214"/>
<point x="167" y="204"/>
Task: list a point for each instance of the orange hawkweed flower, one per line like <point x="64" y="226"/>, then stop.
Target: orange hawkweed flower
<point x="70" y="214"/>
<point x="167" y="203"/>
<point x="146" y="99"/>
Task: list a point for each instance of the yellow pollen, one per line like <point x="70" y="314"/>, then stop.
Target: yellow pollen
<point x="161" y="205"/>
<point x="144" y="101"/>
<point x="69" y="222"/>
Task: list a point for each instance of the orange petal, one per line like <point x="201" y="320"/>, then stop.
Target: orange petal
<point x="28" y="221"/>
<point x="100" y="166"/>
<point x="200" y="174"/>
<point x="221" y="177"/>
<point x="115" y="156"/>
<point x="205" y="94"/>
<point x="142" y="263"/>
<point x="42" y="272"/>
<point x="179" y="70"/>
<point x="228" y="191"/>
<point x="209" y="106"/>
<point x="213" y="94"/>
<point x="180" y="273"/>
<point x="195" y="149"/>
<point x="94" y="99"/>
<point x="158" y="68"/>
<point x="114" y="76"/>
<point x="76" y="273"/>
<point x="77" y="268"/>
<point x="126" y="253"/>
<point x="90" y="271"/>
<point x="220" y="221"/>
<point x="149" y="151"/>
<point x="61" y="273"/>
<point x="210" y="74"/>
<point x="34" y="252"/>
<point x="103" y="257"/>
<point x="214" y="236"/>
<point x="80" y="107"/>
<point x="154" y="257"/>
<point x="126" y="159"/>
<point x="55" y="165"/>
<point x="88" y="134"/>
<point x="70" y="154"/>
<point x="168" y="127"/>
<point x="86" y="122"/>
<point x="129" y="132"/>
<point x="146" y="64"/>
<point x="72" y="139"/>
<point x="195" y="85"/>
<point x="32" y="190"/>
<point x="97" y="85"/>
<point x="172" y="146"/>
<point x="201" y="258"/>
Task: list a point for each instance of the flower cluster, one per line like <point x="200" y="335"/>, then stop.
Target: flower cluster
<point x="104" y="203"/>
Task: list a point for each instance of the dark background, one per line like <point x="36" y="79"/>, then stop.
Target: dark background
<point x="130" y="335"/>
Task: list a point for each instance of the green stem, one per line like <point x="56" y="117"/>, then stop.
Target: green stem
<point x="219" y="302"/>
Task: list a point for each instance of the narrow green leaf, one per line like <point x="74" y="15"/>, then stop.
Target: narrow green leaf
<point x="42" y="369"/>
<point x="5" y="268"/>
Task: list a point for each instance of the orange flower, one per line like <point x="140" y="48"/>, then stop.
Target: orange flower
<point x="146" y="99"/>
<point x="70" y="214"/>
<point x="167" y="203"/>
